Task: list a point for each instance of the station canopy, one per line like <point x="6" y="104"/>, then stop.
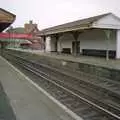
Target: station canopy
<point x="6" y="19"/>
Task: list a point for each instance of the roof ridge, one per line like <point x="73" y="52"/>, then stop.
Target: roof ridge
<point x="80" y="20"/>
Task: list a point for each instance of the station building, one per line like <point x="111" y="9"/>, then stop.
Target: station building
<point x="94" y="36"/>
<point x="29" y="28"/>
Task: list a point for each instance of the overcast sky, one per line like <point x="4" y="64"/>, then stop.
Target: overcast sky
<point x="48" y="13"/>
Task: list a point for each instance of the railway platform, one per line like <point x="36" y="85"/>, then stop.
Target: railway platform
<point x="97" y="61"/>
<point x="28" y="101"/>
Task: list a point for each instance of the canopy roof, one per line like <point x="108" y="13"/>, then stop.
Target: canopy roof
<point x="6" y="19"/>
<point x="74" y="26"/>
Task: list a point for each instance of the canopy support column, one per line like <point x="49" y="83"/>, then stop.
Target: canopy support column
<point x="76" y="46"/>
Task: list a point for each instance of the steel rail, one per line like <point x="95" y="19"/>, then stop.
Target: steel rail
<point x="71" y="92"/>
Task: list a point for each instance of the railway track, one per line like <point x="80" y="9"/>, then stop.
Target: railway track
<point x="85" y="99"/>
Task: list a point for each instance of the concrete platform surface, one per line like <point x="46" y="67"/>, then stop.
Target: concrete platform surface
<point x="111" y="63"/>
<point x="102" y="62"/>
<point x="27" y="101"/>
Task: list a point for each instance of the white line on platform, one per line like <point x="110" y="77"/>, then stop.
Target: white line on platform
<point x="72" y="114"/>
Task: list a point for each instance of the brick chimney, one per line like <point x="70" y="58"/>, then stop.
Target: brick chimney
<point x="31" y="22"/>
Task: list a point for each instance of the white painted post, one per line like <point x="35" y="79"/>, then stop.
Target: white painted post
<point x="118" y="44"/>
<point x="48" y="44"/>
<point x="107" y="33"/>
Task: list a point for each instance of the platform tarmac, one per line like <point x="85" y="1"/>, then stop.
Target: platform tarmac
<point x="98" y="61"/>
<point x="28" y="101"/>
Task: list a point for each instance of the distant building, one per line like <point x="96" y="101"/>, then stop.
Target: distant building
<point x="14" y="42"/>
<point x="32" y="28"/>
<point x="29" y="28"/>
